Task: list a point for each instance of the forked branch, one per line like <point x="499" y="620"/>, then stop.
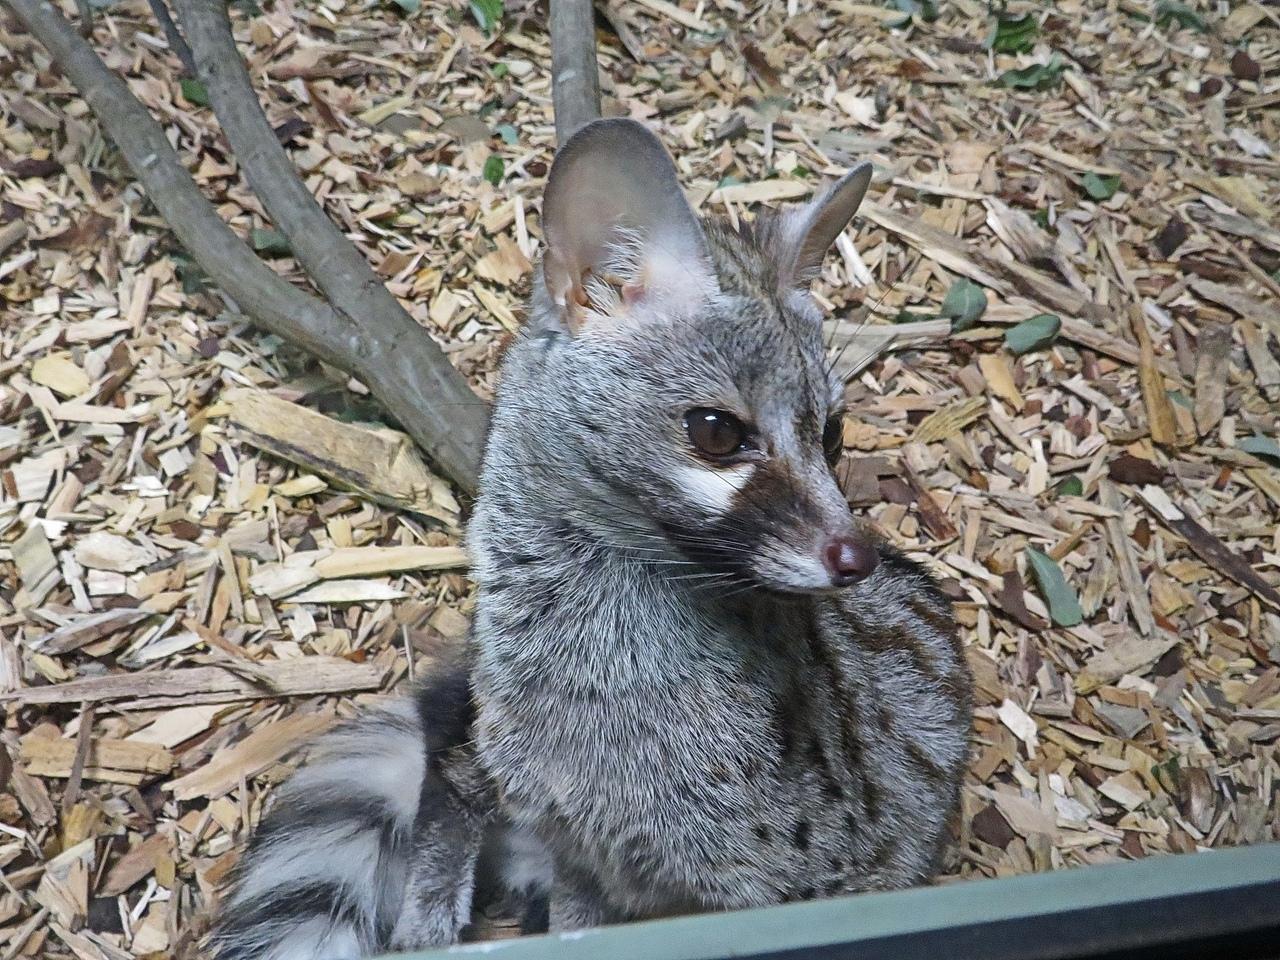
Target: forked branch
<point x="362" y="329"/>
<point x="280" y="307"/>
<point x="402" y="365"/>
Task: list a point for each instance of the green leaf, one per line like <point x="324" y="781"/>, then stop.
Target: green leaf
<point x="499" y="70"/>
<point x="1035" y="333"/>
<point x="193" y="92"/>
<point x="1070" y="487"/>
<point x="488" y="14"/>
<point x="927" y="10"/>
<point x="408" y="6"/>
<point x="494" y="168"/>
<point x="194" y="280"/>
<point x="507" y="132"/>
<point x="964" y="303"/>
<point x="912" y="316"/>
<point x="1064" y="606"/>
<point x="1041" y="217"/>
<point x="1039" y="76"/>
<point x="1012" y="34"/>
<point x="1260" y="446"/>
<point x="1100" y="188"/>
<point x="1168" y="11"/>
<point x="271" y="243"/>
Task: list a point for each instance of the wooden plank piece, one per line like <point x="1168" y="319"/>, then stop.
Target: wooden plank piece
<point x="55" y="757"/>
<point x="381" y="464"/>
<point x="284" y="678"/>
<point x="1135" y="591"/>
<point x="250" y="757"/>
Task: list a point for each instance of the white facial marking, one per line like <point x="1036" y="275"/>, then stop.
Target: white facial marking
<point x="797" y="571"/>
<point x="714" y="488"/>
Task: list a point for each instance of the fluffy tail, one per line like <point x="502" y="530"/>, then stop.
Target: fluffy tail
<point x="371" y="842"/>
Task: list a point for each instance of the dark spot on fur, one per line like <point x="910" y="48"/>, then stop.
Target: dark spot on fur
<point x="928" y="766"/>
<point x="871" y="799"/>
<point x="833" y="888"/>
<point x="801" y="836"/>
<point x="763" y="832"/>
<point x="818" y="755"/>
<point x="881" y="854"/>
<point x="837" y="863"/>
<point x="884" y="718"/>
<point x="506" y="559"/>
<point x="808" y="893"/>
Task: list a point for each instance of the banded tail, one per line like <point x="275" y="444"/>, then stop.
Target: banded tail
<point x="371" y="845"/>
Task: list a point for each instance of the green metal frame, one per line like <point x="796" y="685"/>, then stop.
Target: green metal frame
<point x="1221" y="903"/>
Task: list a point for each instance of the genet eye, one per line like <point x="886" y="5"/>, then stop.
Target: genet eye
<point x="833" y="439"/>
<point x="715" y="433"/>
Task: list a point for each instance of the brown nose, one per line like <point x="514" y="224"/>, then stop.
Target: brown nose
<point x="848" y="560"/>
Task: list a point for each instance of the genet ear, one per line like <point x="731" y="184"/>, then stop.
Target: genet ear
<point x="619" y="231"/>
<point x="806" y="233"/>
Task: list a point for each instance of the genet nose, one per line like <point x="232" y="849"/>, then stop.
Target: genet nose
<point x="848" y="560"/>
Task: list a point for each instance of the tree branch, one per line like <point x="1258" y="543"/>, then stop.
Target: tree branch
<point x="171" y="35"/>
<point x="399" y="361"/>
<point x="575" y="75"/>
<point x="389" y="365"/>
<point x="280" y="307"/>
<point x="86" y="17"/>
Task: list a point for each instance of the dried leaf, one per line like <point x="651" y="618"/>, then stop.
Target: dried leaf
<point x="950" y="420"/>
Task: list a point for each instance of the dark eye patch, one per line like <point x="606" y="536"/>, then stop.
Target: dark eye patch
<point x="833" y="439"/>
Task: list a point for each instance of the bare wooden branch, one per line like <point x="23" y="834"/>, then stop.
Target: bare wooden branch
<point x="282" y="308"/>
<point x="85" y="10"/>
<point x="398" y="365"/>
<point x="172" y="36"/>
<point x="399" y="361"/>
<point x="575" y="75"/>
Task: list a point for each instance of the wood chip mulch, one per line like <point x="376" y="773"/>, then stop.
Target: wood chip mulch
<point x="195" y="580"/>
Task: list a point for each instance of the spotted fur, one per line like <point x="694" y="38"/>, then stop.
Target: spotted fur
<point x="675" y="710"/>
<point x="668" y="696"/>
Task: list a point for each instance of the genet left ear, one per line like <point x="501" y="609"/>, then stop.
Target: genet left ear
<point x="618" y="227"/>
<point x="806" y="233"/>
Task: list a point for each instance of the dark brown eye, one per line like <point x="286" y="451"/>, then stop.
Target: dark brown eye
<point x="715" y="433"/>
<point x="833" y="439"/>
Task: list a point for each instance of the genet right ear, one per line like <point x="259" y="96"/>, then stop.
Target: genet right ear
<point x="808" y="231"/>
<point x="614" y="217"/>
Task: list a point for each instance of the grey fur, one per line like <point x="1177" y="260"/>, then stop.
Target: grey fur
<point x="673" y="705"/>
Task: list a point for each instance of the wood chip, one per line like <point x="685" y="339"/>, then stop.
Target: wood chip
<point x="115" y="761"/>
<point x="381" y="464"/>
<point x="252" y="755"/>
<point x="284" y="678"/>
